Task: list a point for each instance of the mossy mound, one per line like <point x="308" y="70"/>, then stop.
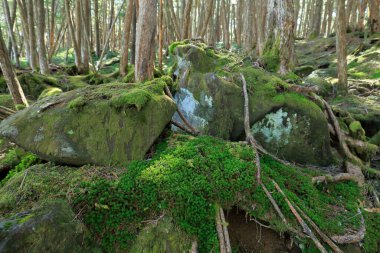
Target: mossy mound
<point x="209" y="94"/>
<point x="169" y="201"/>
<point x="113" y="123"/>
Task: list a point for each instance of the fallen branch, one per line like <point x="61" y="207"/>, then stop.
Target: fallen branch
<point x="219" y="230"/>
<point x="372" y="210"/>
<point x="5" y="112"/>
<point x="352" y="238"/>
<point x="183" y="128"/>
<point x="303" y="89"/>
<point x="225" y="231"/>
<point x="303" y="224"/>
<point x="183" y="118"/>
<point x="324" y="237"/>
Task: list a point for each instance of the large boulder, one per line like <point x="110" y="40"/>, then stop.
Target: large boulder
<point x="50" y="228"/>
<point x="210" y="95"/>
<point x="105" y="124"/>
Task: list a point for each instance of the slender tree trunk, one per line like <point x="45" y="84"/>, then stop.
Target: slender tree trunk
<point x="145" y="40"/>
<point x="11" y="32"/>
<point x="224" y="17"/>
<point x="127" y="33"/>
<point x="330" y="18"/>
<point x="97" y="27"/>
<point x="44" y="68"/>
<point x="32" y="36"/>
<point x="209" y="13"/>
<point x="10" y="76"/>
<point x="161" y="34"/>
<point x="85" y="47"/>
<point x="341" y="46"/>
<point x="134" y="26"/>
<point x="52" y="29"/>
<point x="239" y="22"/>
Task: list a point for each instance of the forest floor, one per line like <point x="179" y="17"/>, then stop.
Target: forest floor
<point x="173" y="204"/>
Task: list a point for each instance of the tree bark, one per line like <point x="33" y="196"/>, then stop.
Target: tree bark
<point x="186" y="20"/>
<point x="341" y="46"/>
<point x="127" y="33"/>
<point x="10" y="76"/>
<point x="10" y="31"/>
<point x="317" y="16"/>
<point x="32" y="36"/>
<point x="97" y="28"/>
<point x="374" y="15"/>
<point x="44" y="68"/>
<point x="287" y="25"/>
<point x="362" y="9"/>
<point x="145" y="40"/>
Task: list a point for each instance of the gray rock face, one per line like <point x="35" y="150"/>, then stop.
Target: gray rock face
<point x="51" y="228"/>
<point x="210" y="96"/>
<point x="102" y="125"/>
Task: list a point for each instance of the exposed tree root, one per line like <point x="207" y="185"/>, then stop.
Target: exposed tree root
<point x="303" y="224"/>
<point x="183" y="128"/>
<point x="338" y="132"/>
<point x="324" y="237"/>
<point x="372" y="210"/>
<point x="352" y="238"/>
<point x="334" y="179"/>
<point x="303" y="89"/>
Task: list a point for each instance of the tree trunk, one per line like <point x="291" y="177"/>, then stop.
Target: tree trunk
<point x="145" y="40"/>
<point x="186" y="20"/>
<point x="134" y="26"/>
<point x="10" y="31"/>
<point x="209" y="13"/>
<point x="32" y="37"/>
<point x="287" y="25"/>
<point x="127" y="33"/>
<point x="10" y="76"/>
<point x="316" y="20"/>
<point x="224" y="17"/>
<point x="341" y="46"/>
<point x="97" y="28"/>
<point x="362" y="9"/>
<point x="374" y="15"/>
<point x="44" y="68"/>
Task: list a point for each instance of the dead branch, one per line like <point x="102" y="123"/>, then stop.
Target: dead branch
<point x="225" y="231"/>
<point x="183" y="128"/>
<point x="372" y="210"/>
<point x="324" y="237"/>
<point x="304" y="226"/>
<point x="247" y="129"/>
<point x="352" y="238"/>
<point x="5" y="112"/>
<point x="219" y="230"/>
<point x="194" y="247"/>
<point x="183" y="118"/>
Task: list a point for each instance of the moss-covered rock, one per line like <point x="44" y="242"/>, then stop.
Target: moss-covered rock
<point x="210" y="96"/>
<point x="51" y="91"/>
<point x="105" y="124"/>
<point x="50" y="228"/>
<point x="304" y="71"/>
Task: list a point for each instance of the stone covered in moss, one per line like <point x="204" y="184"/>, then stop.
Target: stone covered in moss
<point x="105" y="124"/>
<point x="210" y="96"/>
<point x="50" y="228"/>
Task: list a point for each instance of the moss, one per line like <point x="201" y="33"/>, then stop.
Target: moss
<point x="51" y="91"/>
<point x="291" y="77"/>
<point x="375" y="139"/>
<point x="188" y="178"/>
<point x="372" y="235"/>
<point x="135" y="97"/>
<point x="357" y="131"/>
<point x="7" y="101"/>
<point x="34" y="84"/>
<point x="130" y="77"/>
<point x="271" y="55"/>
<point x="77" y="103"/>
<point x="174" y="45"/>
<point x="324" y="86"/>
<point x="304" y="70"/>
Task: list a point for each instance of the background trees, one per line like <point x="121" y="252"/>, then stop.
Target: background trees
<point x="36" y="30"/>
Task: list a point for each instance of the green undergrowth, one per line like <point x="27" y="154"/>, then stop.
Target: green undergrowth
<point x="16" y="159"/>
<point x="372" y="235"/>
<point x="186" y="180"/>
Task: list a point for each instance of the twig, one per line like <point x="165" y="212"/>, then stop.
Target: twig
<point x="332" y="179"/>
<point x="304" y="226"/>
